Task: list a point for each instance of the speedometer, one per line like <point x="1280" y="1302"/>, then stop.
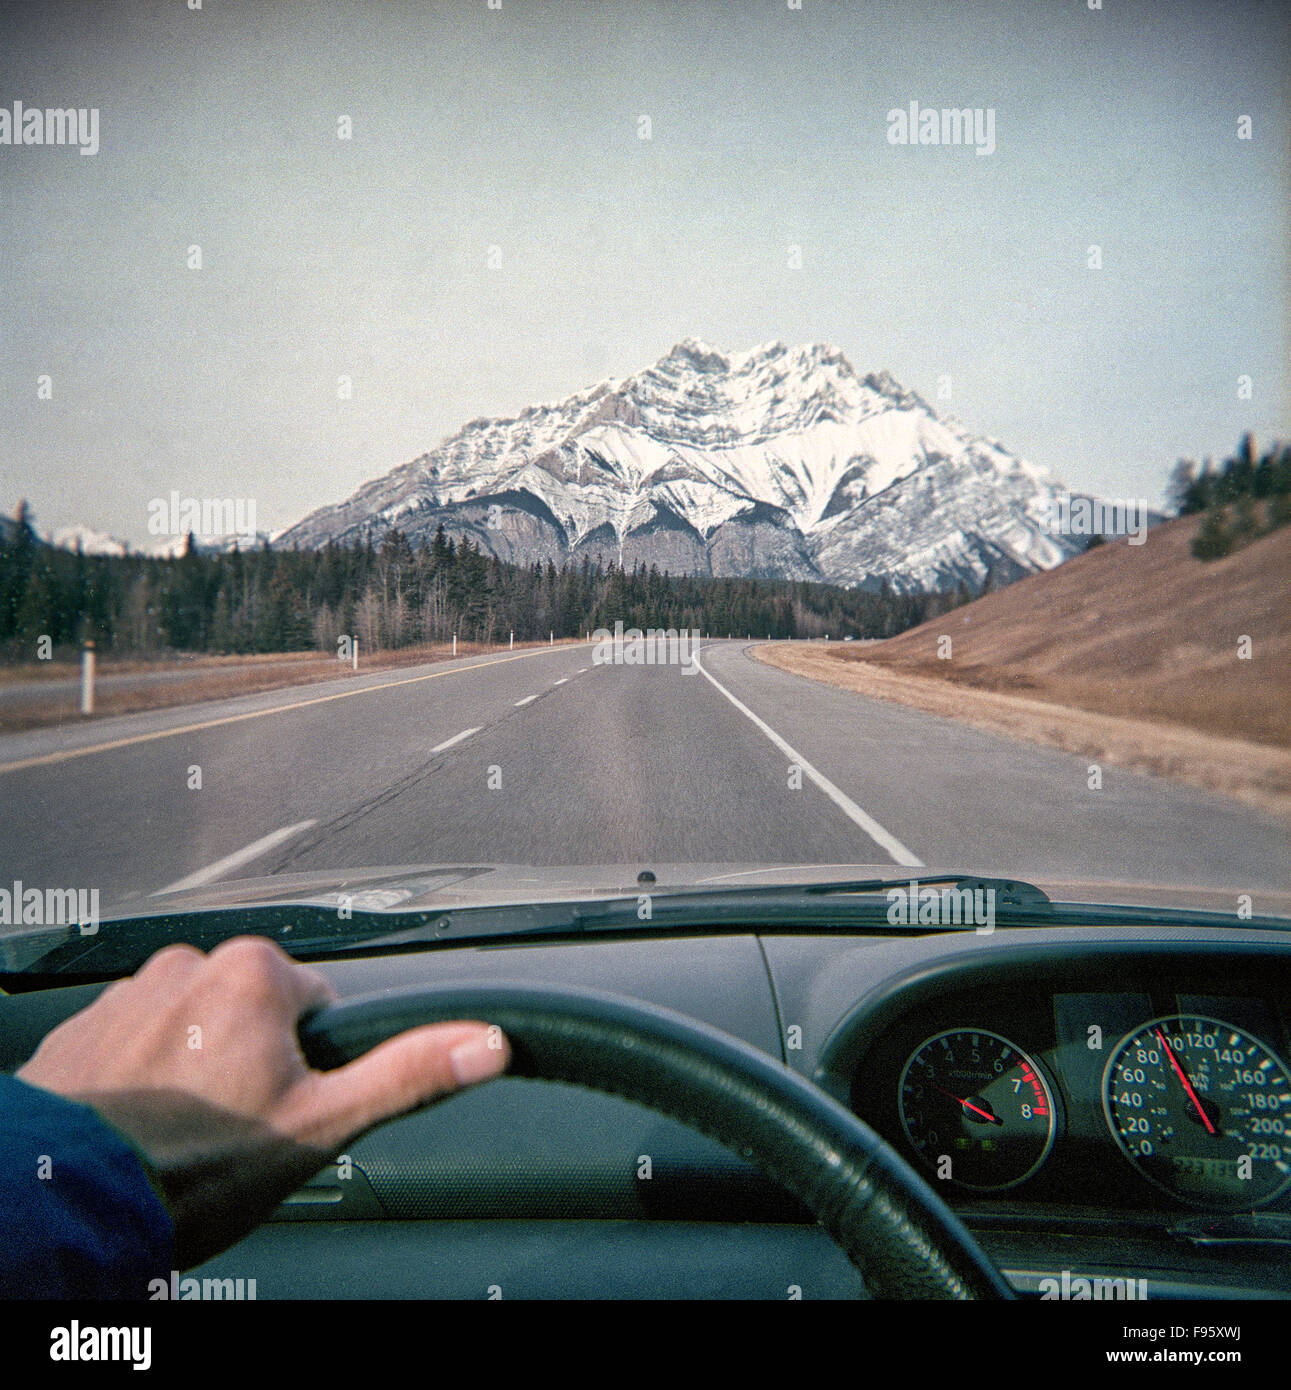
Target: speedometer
<point x="1202" y="1110"/>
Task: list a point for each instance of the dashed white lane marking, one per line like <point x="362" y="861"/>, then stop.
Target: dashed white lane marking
<point x="43" y="759"/>
<point x="457" y="738"/>
<point x="840" y="799"/>
<point x="562" y="681"/>
<point x="236" y="859"/>
<point x="528" y="699"/>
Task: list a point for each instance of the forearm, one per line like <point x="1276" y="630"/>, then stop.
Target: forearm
<point x="79" y="1216"/>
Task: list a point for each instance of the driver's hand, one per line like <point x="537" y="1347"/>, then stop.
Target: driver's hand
<point x="195" y="1060"/>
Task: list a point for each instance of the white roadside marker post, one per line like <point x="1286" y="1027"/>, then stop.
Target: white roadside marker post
<point x="87" y="678"/>
<point x="454" y="644"/>
<point x="354" y="655"/>
<point x="512" y="645"/>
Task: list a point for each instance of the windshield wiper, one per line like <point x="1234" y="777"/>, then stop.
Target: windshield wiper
<point x="861" y="902"/>
<point x="313" y="930"/>
<point x="316" y="928"/>
<point x="1008" y="892"/>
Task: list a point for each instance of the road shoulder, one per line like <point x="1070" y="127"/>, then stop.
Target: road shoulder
<point x="1256" y="775"/>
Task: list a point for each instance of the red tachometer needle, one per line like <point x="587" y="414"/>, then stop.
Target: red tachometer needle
<point x="968" y="1105"/>
<point x="1184" y="1082"/>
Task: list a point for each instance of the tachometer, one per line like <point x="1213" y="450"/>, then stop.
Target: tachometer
<point x="1202" y="1110"/>
<point x="977" y="1109"/>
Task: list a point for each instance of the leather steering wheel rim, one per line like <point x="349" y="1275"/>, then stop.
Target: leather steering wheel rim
<point x="900" y="1235"/>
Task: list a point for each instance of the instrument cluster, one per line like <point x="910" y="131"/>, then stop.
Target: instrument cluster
<point x="1120" y="1098"/>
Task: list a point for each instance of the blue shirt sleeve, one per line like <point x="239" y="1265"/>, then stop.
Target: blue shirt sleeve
<point x="79" y="1217"/>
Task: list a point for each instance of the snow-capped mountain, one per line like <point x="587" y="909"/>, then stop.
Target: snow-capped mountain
<point x="778" y="462"/>
<point x="90" y="542"/>
<point x="169" y="547"/>
<point x="161" y="547"/>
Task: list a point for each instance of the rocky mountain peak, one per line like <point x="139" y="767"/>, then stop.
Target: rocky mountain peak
<point x="776" y="461"/>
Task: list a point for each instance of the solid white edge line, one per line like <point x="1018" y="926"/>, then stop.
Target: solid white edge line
<point x="849" y="808"/>
<point x="457" y="738"/>
<point x="528" y="699"/>
<point x="235" y="860"/>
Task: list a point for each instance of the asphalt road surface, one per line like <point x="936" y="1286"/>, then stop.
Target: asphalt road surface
<point x="543" y="757"/>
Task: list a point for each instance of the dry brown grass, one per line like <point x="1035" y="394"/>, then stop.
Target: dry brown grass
<point x="1127" y="654"/>
<point x="108" y="664"/>
<point x="1145" y="632"/>
<point x="207" y="678"/>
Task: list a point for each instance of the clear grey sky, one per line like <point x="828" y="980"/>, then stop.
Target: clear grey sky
<point x="518" y="129"/>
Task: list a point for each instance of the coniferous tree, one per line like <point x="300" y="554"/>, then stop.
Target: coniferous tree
<point x="1213" y="539"/>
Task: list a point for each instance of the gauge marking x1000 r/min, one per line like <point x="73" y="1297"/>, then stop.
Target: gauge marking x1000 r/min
<point x="973" y="1098"/>
<point x="1202" y="1110"/>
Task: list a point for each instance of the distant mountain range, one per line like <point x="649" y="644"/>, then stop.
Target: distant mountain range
<point x="779" y="462"/>
<point x="94" y="542"/>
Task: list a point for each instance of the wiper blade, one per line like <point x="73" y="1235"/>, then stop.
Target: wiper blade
<point x="839" y="906"/>
<point x="1009" y="892"/>
<point x="309" y="930"/>
<point x="316" y="929"/>
<point x="752" y="906"/>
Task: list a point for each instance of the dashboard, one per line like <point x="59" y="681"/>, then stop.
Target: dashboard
<point x="1048" y="1146"/>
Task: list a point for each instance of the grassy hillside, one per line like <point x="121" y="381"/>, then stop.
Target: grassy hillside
<point x="1147" y="632"/>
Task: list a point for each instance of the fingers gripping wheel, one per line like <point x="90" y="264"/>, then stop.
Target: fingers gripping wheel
<point x="893" y="1227"/>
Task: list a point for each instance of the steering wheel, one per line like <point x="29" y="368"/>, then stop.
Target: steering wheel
<point x="900" y="1235"/>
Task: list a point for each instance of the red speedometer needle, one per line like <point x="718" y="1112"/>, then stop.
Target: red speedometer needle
<point x="1184" y="1082"/>
<point x="968" y="1105"/>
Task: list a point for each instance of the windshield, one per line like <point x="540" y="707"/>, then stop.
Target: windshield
<point x="558" y="454"/>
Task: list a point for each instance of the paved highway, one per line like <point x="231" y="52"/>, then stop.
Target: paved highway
<point x="543" y="757"/>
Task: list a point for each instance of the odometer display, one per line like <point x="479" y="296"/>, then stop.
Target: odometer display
<point x="976" y="1109"/>
<point x="1203" y="1110"/>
